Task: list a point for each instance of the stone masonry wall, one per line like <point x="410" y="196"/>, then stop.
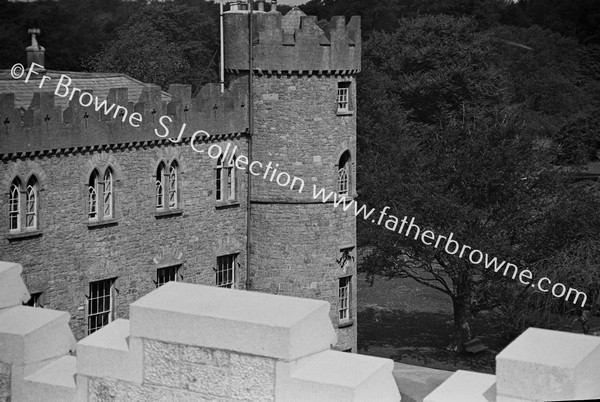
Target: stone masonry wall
<point x="297" y="126"/>
<point x="68" y="254"/>
<point x="297" y="239"/>
<point x="4" y="382"/>
<point x="175" y="372"/>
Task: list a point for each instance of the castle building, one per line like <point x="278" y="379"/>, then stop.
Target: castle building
<point x="112" y="187"/>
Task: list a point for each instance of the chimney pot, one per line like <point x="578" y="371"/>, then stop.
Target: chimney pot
<point x="35" y="52"/>
<point x="273" y="5"/>
<point x="261" y="5"/>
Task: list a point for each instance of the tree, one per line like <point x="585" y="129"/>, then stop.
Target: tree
<point x="165" y="43"/>
<point x="442" y="139"/>
<point x="143" y="53"/>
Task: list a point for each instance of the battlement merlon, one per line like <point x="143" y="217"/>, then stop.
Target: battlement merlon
<point x="335" y="50"/>
<point x="46" y="126"/>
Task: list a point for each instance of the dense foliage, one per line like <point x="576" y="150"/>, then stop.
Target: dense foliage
<point x="165" y="43"/>
<point x="460" y="128"/>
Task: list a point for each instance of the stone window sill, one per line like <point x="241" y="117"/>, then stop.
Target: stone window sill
<point x="226" y="204"/>
<point x="103" y="223"/>
<point x="344" y="112"/>
<point x="23" y="235"/>
<point x="165" y="213"/>
<point x="346" y="323"/>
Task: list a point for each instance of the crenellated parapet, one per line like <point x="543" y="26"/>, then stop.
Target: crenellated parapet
<point x="306" y="49"/>
<point x="93" y="122"/>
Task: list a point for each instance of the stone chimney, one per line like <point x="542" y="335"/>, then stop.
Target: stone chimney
<point x="35" y="52"/>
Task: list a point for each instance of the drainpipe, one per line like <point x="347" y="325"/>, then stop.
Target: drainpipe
<point x="250" y="133"/>
<point x="222" y="66"/>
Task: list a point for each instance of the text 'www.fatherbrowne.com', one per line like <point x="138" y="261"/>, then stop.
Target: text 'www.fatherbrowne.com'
<point x="452" y="247"/>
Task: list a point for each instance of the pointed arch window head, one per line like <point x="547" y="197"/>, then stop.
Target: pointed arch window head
<point x="225" y="180"/>
<point x="231" y="180"/>
<point x="101" y="197"/>
<point x="31" y="205"/>
<point x="93" y="196"/>
<point x="167" y="186"/>
<point x="343" y="174"/>
<point x="219" y="179"/>
<point x="108" y="194"/>
<point x="23" y="207"/>
<point x="14" y="206"/>
<point x="173" y="185"/>
<point x="160" y="186"/>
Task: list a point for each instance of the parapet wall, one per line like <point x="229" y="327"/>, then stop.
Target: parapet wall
<point x="184" y="342"/>
<point x="45" y="127"/>
<point x="540" y="365"/>
<point x="310" y="49"/>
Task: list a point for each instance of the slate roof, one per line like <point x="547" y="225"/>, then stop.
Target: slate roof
<point x="99" y="83"/>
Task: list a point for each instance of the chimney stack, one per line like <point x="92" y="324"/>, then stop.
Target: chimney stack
<point x="35" y="52"/>
<point x="273" y="5"/>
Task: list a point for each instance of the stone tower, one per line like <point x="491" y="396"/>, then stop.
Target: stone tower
<point x="304" y="96"/>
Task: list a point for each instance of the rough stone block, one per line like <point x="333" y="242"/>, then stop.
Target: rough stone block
<point x="13" y="291"/>
<point x="549" y="365"/>
<point x="192" y="354"/>
<point x="252" y="378"/>
<point x="161" y="363"/>
<point x="4" y="380"/>
<point x="205" y="379"/>
<point x="465" y="386"/>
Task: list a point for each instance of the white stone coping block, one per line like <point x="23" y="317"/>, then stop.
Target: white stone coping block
<point x="261" y="324"/>
<point x="339" y="376"/>
<point x="29" y="334"/>
<point x="549" y="365"/>
<point x="110" y="353"/>
<point x="465" y="386"/>
<point x="13" y="291"/>
<point x="53" y="383"/>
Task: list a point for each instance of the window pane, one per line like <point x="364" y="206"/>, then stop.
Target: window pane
<point x="173" y="187"/>
<point x="342" y="95"/>
<point x="342" y="181"/>
<point x="108" y="194"/>
<point x="218" y="183"/>
<point x="14" y="209"/>
<point x="225" y="271"/>
<point x="99" y="304"/>
<point x="93" y="196"/>
<point x="31" y="214"/>
<point x="344" y="298"/>
<point x="164" y="275"/>
<point x="231" y="182"/>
